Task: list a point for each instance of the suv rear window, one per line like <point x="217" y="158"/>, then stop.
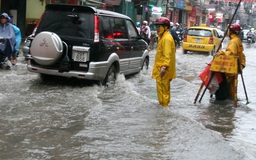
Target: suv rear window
<point x="199" y="32"/>
<point x="113" y="28"/>
<point x="68" y="24"/>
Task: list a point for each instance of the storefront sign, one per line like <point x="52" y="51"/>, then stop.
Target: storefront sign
<point x="179" y="4"/>
<point x="157" y="9"/>
<point x="239" y="0"/>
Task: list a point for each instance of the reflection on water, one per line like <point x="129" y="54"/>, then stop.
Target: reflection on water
<point x="219" y="116"/>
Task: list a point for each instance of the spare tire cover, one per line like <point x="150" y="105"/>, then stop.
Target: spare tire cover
<point x="46" y="48"/>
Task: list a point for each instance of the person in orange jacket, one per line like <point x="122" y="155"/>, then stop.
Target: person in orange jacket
<point x="164" y="69"/>
<point x="234" y="48"/>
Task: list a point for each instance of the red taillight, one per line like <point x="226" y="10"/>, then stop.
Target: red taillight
<point x="185" y="38"/>
<point x="211" y="40"/>
<point x="81" y="75"/>
<point x="96" y="29"/>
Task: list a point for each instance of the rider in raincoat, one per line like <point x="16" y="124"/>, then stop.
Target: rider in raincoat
<point x="18" y="39"/>
<point x="7" y="37"/>
<point x="164" y="69"/>
<point x="234" y="48"/>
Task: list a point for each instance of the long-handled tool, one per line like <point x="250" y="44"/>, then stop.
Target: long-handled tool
<point x="198" y="93"/>
<point x="247" y="100"/>
<point x="241" y="73"/>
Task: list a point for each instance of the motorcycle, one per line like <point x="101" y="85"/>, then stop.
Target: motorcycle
<point x="4" y="61"/>
<point x="181" y="36"/>
<point x="249" y="42"/>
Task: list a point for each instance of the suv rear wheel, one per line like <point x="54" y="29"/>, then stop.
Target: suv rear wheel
<point x="145" y="64"/>
<point x="111" y="76"/>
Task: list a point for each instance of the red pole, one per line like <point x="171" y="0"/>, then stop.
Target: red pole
<point x="198" y="93"/>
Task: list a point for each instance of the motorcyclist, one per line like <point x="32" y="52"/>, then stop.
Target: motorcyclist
<point x="250" y="34"/>
<point x="145" y="31"/>
<point x="181" y="30"/>
<point x="18" y="38"/>
<point x="138" y="26"/>
<point x="234" y="48"/>
<point x="174" y="35"/>
<point x="8" y="41"/>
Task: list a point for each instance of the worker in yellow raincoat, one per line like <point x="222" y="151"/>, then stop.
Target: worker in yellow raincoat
<point x="234" y="48"/>
<point x="164" y="69"/>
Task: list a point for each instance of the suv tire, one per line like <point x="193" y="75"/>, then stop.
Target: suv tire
<point x="145" y="64"/>
<point x="111" y="76"/>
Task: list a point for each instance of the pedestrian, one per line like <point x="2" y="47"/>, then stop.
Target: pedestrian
<point x="234" y="48"/>
<point x="13" y="57"/>
<point x="164" y="69"/>
<point x="145" y="32"/>
<point x="8" y="38"/>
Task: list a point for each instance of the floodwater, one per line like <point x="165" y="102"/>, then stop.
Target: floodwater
<point x="66" y="120"/>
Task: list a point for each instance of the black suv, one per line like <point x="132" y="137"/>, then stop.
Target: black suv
<point x="86" y="43"/>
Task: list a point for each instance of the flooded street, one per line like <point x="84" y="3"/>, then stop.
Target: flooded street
<point x="66" y="120"/>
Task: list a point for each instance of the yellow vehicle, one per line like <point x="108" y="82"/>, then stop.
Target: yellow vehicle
<point x="201" y="39"/>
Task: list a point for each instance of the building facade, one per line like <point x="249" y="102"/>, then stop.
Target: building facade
<point x="26" y="13"/>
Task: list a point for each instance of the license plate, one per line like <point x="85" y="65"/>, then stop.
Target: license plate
<point x="80" y="56"/>
<point x="198" y="40"/>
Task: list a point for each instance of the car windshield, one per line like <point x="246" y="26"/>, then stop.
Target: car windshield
<point x="61" y="22"/>
<point x="199" y="32"/>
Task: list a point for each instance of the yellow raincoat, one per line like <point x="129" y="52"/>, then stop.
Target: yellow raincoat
<point x="165" y="56"/>
<point x="235" y="48"/>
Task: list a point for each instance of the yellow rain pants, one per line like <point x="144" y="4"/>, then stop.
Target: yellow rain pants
<point x="163" y="87"/>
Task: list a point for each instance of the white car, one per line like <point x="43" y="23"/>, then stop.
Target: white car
<point x="220" y="32"/>
<point x="245" y="31"/>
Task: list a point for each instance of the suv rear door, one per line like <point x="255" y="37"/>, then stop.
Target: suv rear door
<point x="113" y="34"/>
<point x="138" y="45"/>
